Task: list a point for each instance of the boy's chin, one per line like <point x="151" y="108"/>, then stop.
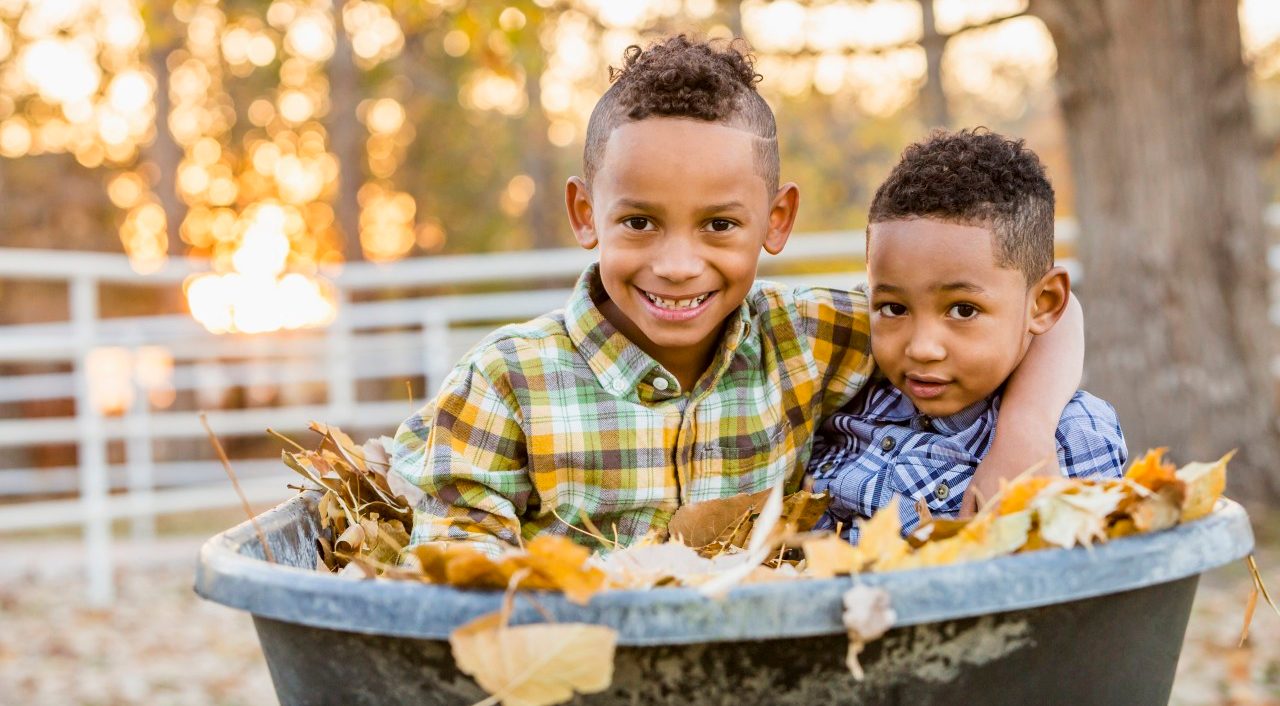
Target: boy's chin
<point x="940" y="407"/>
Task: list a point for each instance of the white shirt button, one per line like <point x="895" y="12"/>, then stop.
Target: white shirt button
<point x="660" y="384"/>
<point x="619" y="386"/>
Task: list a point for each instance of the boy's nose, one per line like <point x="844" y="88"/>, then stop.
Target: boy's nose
<point x="925" y="345"/>
<point x="678" y="260"/>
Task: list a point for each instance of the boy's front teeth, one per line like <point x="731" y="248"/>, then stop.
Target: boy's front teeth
<point x="677" y="303"/>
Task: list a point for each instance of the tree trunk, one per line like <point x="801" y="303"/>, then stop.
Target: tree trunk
<point x="344" y="135"/>
<point x="933" y="98"/>
<point x="165" y="152"/>
<point x="1170" y="205"/>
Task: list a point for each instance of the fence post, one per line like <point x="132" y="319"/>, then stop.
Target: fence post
<point x="140" y="463"/>
<point x="435" y="345"/>
<point x="91" y="451"/>
<point x="341" y="385"/>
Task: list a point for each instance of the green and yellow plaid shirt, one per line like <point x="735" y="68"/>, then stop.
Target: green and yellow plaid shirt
<point x="564" y="415"/>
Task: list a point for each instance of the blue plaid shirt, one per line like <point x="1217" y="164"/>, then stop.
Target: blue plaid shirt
<point x="879" y="445"/>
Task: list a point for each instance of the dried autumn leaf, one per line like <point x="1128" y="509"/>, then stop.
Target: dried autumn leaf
<point x="701" y="524"/>
<point x="558" y="563"/>
<point x="830" y="555"/>
<point x="1152" y="471"/>
<point x="1205" y="483"/>
<point x="759" y="548"/>
<point x="880" y="539"/>
<point x="1161" y="509"/>
<point x="1019" y="494"/>
<point x="802" y="510"/>
<point x="647" y="565"/>
<point x="868" y="614"/>
<point x="1075" y="513"/>
<point x="535" y="665"/>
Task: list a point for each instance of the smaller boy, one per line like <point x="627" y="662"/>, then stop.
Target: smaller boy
<point x="961" y="277"/>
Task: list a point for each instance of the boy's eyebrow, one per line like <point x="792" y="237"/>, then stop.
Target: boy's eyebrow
<point x="726" y="206"/>
<point x="948" y="287"/>
<point x="960" y="287"/>
<point x="638" y="205"/>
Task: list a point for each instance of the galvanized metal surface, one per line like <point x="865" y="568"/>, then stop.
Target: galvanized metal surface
<point x="232" y="572"/>
<point x="1116" y="650"/>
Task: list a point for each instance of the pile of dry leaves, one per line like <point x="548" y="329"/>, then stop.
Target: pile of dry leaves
<point x="713" y="547"/>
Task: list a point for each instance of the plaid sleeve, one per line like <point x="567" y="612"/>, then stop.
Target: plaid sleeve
<point x="837" y="324"/>
<point x="1090" y="442"/>
<point x="466" y="451"/>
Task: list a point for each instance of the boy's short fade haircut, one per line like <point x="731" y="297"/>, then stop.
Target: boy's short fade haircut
<point x="976" y="177"/>
<point x="681" y="77"/>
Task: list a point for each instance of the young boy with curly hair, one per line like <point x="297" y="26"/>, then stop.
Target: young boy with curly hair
<point x="961" y="276"/>
<point x="670" y="376"/>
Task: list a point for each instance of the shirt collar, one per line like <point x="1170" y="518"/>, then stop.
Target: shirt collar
<point x="618" y="363"/>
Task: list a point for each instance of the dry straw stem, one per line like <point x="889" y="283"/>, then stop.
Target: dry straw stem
<point x="235" y="483"/>
<point x="1258" y="588"/>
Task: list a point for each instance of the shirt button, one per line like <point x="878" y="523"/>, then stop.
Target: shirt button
<point x="888" y="443"/>
<point x="942" y="491"/>
<point x="619" y="386"/>
<point x="826" y="467"/>
<point x="660" y="384"/>
<point x="926" y="424"/>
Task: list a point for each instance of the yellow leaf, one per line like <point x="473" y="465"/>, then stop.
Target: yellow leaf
<point x="534" y="665"/>
<point x="829" y="555"/>
<point x="1019" y="494"/>
<point x="1205" y="483"/>
<point x="562" y="564"/>
<point x="1151" y="471"/>
<point x="880" y="539"/>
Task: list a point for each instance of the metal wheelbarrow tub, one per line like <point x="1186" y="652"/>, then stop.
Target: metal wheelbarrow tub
<point x="1082" y="626"/>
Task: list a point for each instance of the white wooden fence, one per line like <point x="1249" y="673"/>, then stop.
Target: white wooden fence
<point x="379" y="334"/>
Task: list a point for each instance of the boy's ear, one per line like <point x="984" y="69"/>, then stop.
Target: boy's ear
<point x="577" y="198"/>
<point x="1052" y="293"/>
<point x="782" y="217"/>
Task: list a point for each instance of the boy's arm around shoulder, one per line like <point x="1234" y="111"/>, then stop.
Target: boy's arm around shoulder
<point x="1034" y="399"/>
<point x="836" y="326"/>
<point x="466" y="451"/>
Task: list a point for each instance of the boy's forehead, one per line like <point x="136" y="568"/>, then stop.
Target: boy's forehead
<point x="680" y="147"/>
<point x="928" y="253"/>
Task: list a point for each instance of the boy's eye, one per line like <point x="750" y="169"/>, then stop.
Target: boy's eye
<point x="637" y="223"/>
<point x="721" y="225"/>
<point x="891" y="310"/>
<point x="963" y="311"/>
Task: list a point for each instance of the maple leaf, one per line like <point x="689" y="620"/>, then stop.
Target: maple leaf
<point x="1205" y="483"/>
<point x="1152" y="471"/>
<point x="534" y="665"/>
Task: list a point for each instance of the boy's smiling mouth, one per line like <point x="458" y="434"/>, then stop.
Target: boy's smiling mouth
<point x="674" y="308"/>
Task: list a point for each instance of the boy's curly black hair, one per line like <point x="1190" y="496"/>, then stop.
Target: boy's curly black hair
<point x="976" y="177"/>
<point x="682" y="77"/>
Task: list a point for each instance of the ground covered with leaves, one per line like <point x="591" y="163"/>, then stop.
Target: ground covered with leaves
<point x="161" y="644"/>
